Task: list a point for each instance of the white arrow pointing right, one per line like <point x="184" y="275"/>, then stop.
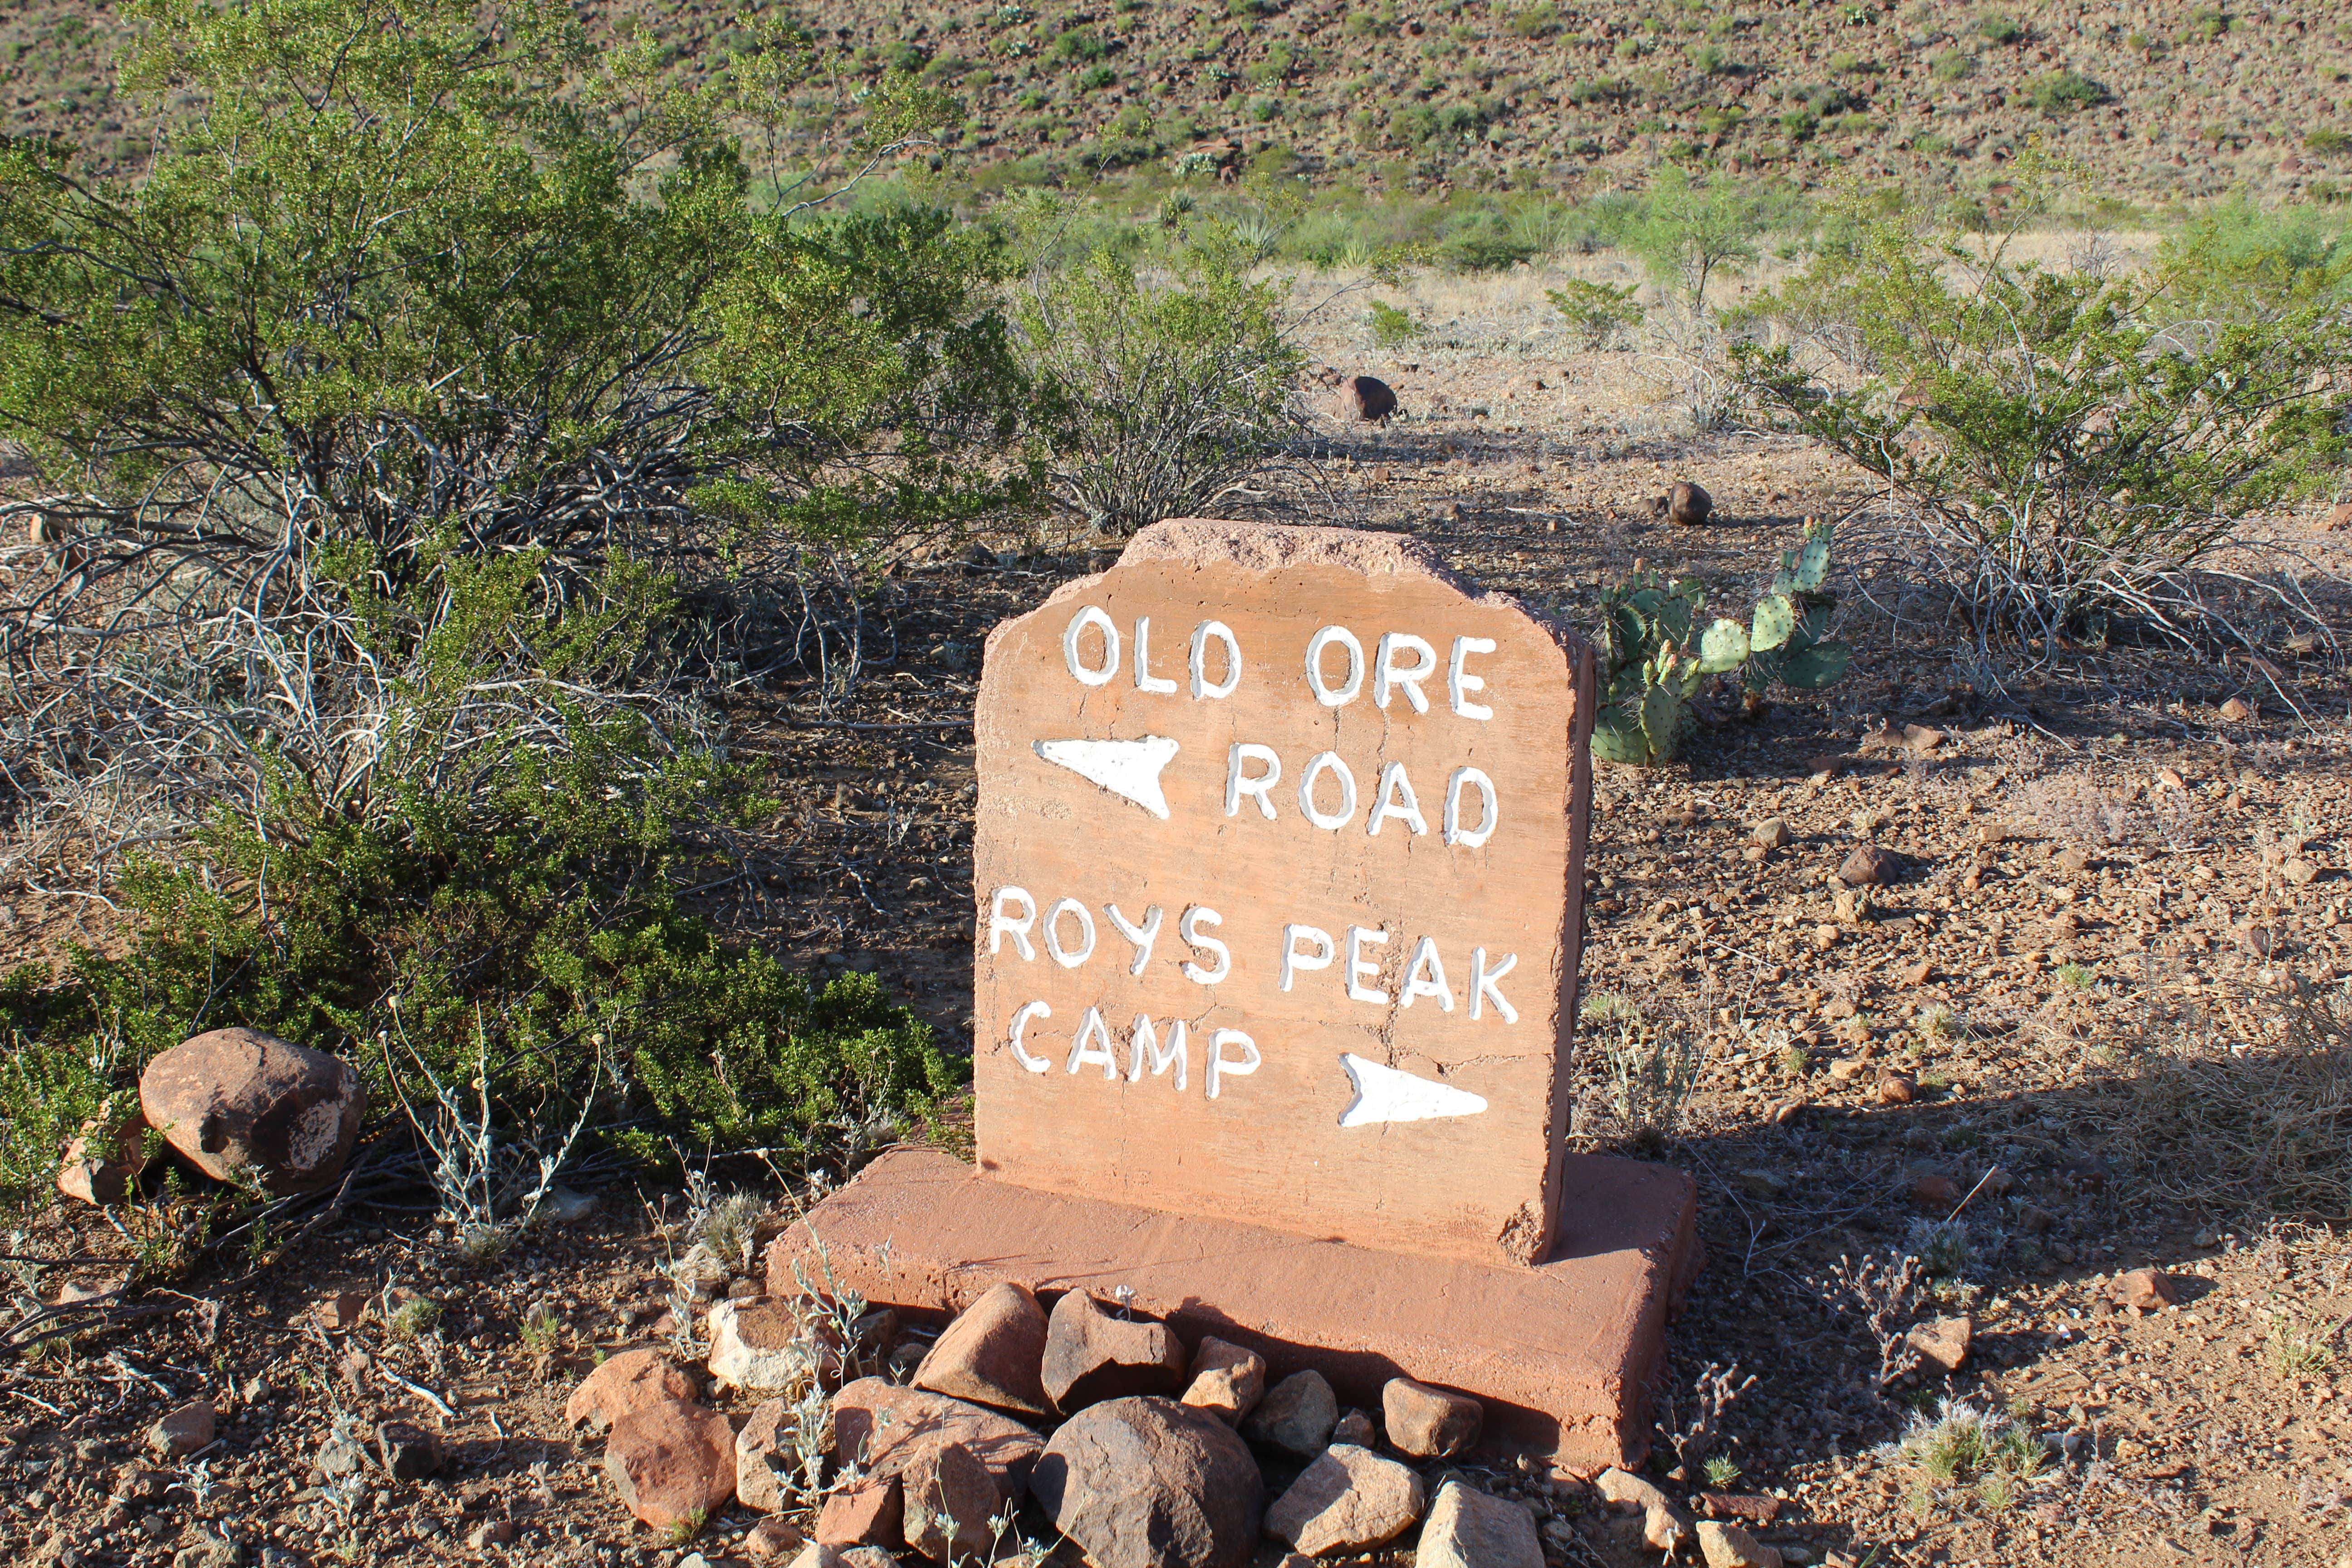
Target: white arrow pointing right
<point x="1384" y="1094"/>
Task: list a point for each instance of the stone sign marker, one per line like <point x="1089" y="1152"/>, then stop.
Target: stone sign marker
<point x="1278" y="857"/>
<point x="1278" y="872"/>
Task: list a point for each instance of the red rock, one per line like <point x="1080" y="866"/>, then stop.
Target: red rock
<point x="1562" y="1354"/>
<point x="1149" y="1483"/>
<point x="1406" y="1159"/>
<point x="992" y="1354"/>
<point x="1943" y="1343"/>
<point x="1227" y="1381"/>
<point x="762" y="1449"/>
<point x="1297" y="1414"/>
<point x="1468" y="1529"/>
<point x="1871" y="865"/>
<point x="183" y="1431"/>
<point x="1430" y="1423"/>
<point x="773" y="1539"/>
<point x="870" y="1512"/>
<point x="1350" y="1499"/>
<point x="103" y="1163"/>
<point x="341" y="1313"/>
<point x="1934" y="1192"/>
<point x="240" y="1105"/>
<point x="408" y="1451"/>
<point x="1896" y="1089"/>
<point x="1365" y="400"/>
<point x="1747" y="1506"/>
<point x="1091" y="1355"/>
<point x="630" y="1381"/>
<point x="2148" y="1289"/>
<point x="2341" y="517"/>
<point x="673" y="1462"/>
<point x="952" y="1502"/>
<point x="878" y="1423"/>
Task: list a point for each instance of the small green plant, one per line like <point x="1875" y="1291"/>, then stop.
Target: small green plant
<point x="2074" y="976"/>
<point x="1960" y="1443"/>
<point x="2209" y="24"/>
<point x="1652" y="1075"/>
<point x="1795" y="1062"/>
<point x="2301" y="1345"/>
<point x="416" y="1318"/>
<point x="1998" y="29"/>
<point x="540" y="1332"/>
<point x="2328" y="143"/>
<point x="1945" y="1248"/>
<point x="1721" y="1471"/>
<point x="1654" y="658"/>
<point x="1952" y="65"/>
<point x="1391" y="327"/>
<point x="2065" y="92"/>
<point x="1596" y="312"/>
<point x="1937" y="1024"/>
<point x="1541" y="20"/>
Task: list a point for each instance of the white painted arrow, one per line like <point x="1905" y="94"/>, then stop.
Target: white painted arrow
<point x="1384" y="1094"/>
<point x="1128" y="769"/>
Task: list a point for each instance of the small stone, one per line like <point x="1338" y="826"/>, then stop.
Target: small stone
<point x="771" y="1538"/>
<point x="1915" y="973"/>
<point x="1297" y="1414"/>
<point x="1091" y="1356"/>
<point x="761" y="1448"/>
<point x="1772" y="833"/>
<point x="1350" y="1499"/>
<point x="673" y="1462"/>
<point x="1921" y="738"/>
<point x="561" y="1205"/>
<point x="1845" y="1070"/>
<point x="1896" y="1089"/>
<point x="2147" y="1289"/>
<point x="1354" y="1426"/>
<point x="207" y="1551"/>
<point x="1943" y="1343"/>
<point x="1427" y="1422"/>
<point x="341" y="1313"/>
<point x="1730" y="1546"/>
<point x="408" y="1452"/>
<point x="1871" y="865"/>
<point x="1227" y="1381"/>
<point x="2237" y="711"/>
<point x="183" y="1431"/>
<point x="951" y="1503"/>
<point x="1150" y="1483"/>
<point x="491" y="1532"/>
<point x="1744" y="1506"/>
<point x="871" y="1512"/>
<point x="103" y="1163"/>
<point x="1826" y="936"/>
<point x="759" y="1344"/>
<point x="1467" y="1529"/>
<point x="2300" y="872"/>
<point x="630" y="1381"/>
<point x="1935" y="1192"/>
<point x="2075" y="858"/>
<point x="993" y="1354"/>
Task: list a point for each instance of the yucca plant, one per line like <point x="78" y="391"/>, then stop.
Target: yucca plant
<point x="1654" y="658"/>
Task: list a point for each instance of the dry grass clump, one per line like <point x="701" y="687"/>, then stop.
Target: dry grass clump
<point x="2228" y="1120"/>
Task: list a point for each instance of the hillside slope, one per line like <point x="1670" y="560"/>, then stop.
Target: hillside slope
<point x="2167" y="101"/>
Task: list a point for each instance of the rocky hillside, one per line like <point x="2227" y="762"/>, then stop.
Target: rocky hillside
<point x="2168" y="99"/>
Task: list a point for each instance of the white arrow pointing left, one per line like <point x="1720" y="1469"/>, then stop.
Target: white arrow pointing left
<point x="1128" y="769"/>
<point x="1384" y="1094"/>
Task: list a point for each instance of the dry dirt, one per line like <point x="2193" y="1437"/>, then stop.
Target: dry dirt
<point x="2076" y="974"/>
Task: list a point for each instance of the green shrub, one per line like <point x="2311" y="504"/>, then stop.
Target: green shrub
<point x="1998" y="29"/>
<point x="1952" y="65"/>
<point x="2209" y="24"/>
<point x="1079" y="44"/>
<point x="1688" y="232"/>
<point x="1596" y="312"/>
<point x="1541" y="20"/>
<point x="2327" y="143"/>
<point x="2063" y="92"/>
<point x="1391" y="327"/>
<point x="1095" y="78"/>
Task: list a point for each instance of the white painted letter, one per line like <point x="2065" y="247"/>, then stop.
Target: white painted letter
<point x="1316" y="767"/>
<point x="1145" y="1040"/>
<point x="1238" y="784"/>
<point x="1053" y="934"/>
<point x="999" y="927"/>
<point x="1482" y="983"/>
<point x="1147" y="682"/>
<point x="1027" y="1011"/>
<point x="1221" y="1066"/>
<point x="1392" y="675"/>
<point x="1425" y="976"/>
<point x="1395" y="798"/>
<point x="1293" y="960"/>
<point x="1200" y="636"/>
<point x="1188" y="926"/>
<point x="1315" y="647"/>
<point x="1360" y="968"/>
<point x="1470" y="836"/>
<point x="1092" y="1027"/>
<point x="1091" y="617"/>
<point x="1142" y="936"/>
<point x="1459" y="682"/>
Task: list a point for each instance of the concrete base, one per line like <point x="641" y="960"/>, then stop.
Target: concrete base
<point x="1561" y="1353"/>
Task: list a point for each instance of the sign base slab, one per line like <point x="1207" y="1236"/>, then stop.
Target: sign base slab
<point x="1561" y="1353"/>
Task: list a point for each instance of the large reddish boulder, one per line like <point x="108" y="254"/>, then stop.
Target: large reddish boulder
<point x="882" y="1426"/>
<point x="991" y="1354"/>
<point x="1091" y="1356"/>
<point x="239" y="1104"/>
<point x="1150" y="1483"/>
<point x="630" y="1381"/>
<point x="673" y="1462"/>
